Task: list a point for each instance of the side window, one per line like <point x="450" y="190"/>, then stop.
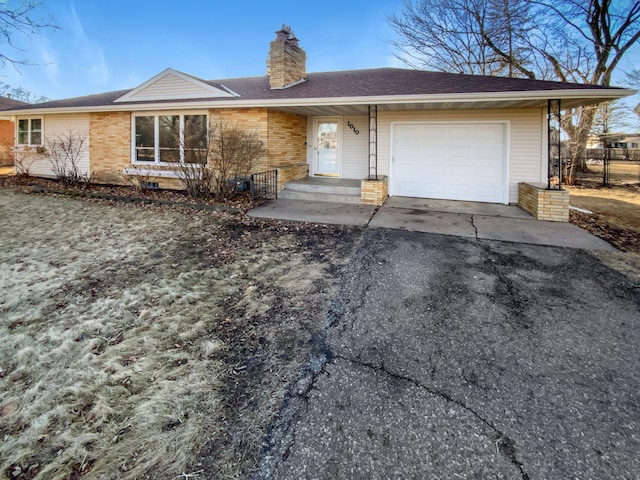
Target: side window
<point x="30" y="131"/>
<point x="23" y="132"/>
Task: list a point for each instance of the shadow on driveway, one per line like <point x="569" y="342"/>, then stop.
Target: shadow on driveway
<point x="446" y="357"/>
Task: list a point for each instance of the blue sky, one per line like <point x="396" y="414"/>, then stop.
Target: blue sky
<point x="105" y="45"/>
<point x="114" y="44"/>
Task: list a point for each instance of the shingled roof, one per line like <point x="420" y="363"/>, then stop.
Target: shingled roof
<point x="363" y="84"/>
<point x="7" y="103"/>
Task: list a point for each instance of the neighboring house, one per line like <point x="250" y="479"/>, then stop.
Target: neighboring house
<point x="7" y="131"/>
<point x="615" y="140"/>
<point x="427" y="134"/>
<point x="627" y="142"/>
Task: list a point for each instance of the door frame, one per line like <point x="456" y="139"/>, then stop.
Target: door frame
<point x="314" y="153"/>
<point x="506" y="154"/>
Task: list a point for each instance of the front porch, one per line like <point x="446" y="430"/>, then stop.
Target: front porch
<point x="337" y="190"/>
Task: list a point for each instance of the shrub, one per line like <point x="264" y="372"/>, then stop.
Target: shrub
<point x="213" y="161"/>
<point x="64" y="153"/>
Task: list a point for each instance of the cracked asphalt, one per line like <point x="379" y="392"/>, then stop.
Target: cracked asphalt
<point x="447" y="357"/>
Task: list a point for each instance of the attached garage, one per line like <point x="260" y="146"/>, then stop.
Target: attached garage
<point x="454" y="161"/>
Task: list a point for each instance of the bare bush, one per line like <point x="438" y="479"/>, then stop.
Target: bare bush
<point x="212" y="162"/>
<point x="64" y="153"/>
<point x="233" y="153"/>
<point x="23" y="164"/>
<point x="195" y="172"/>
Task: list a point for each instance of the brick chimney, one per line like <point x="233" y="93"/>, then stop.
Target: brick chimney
<point x="286" y="65"/>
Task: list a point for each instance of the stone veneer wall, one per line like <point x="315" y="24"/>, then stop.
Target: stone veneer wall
<point x="543" y="204"/>
<point x="374" y="192"/>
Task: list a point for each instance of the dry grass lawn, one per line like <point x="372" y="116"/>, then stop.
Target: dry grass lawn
<point x="619" y="204"/>
<point x="145" y="342"/>
<point x="615" y="218"/>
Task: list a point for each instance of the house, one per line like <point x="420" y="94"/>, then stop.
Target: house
<point x="7" y="131"/>
<point x="624" y="141"/>
<point x="388" y="130"/>
<point x="614" y="140"/>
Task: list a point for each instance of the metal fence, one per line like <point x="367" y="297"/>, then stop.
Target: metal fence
<point x="610" y="166"/>
<point x="264" y="186"/>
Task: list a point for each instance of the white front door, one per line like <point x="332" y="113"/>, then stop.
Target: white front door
<point x="327" y="147"/>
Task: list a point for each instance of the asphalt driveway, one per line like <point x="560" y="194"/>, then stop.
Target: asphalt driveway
<point x="447" y="357"/>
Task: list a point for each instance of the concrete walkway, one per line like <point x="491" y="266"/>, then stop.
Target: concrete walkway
<point x="484" y="221"/>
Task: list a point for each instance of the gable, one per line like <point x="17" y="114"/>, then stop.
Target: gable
<point x="173" y="85"/>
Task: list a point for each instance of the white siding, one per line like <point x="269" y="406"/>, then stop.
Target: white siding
<point x="53" y="126"/>
<point x="524" y="138"/>
<point x="170" y="86"/>
<point x="355" y="148"/>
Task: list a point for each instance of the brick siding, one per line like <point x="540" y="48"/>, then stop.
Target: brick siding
<point x="286" y="146"/>
<point x="283" y="134"/>
<point x="7" y="135"/>
<point x="374" y="192"/>
<point x="109" y="146"/>
<point x="543" y="204"/>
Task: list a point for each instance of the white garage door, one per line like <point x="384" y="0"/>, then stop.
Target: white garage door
<point x="454" y="161"/>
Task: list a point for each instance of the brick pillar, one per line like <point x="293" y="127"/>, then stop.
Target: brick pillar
<point x="544" y="204"/>
<point x="374" y="192"/>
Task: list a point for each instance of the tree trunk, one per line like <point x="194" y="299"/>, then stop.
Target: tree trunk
<point x="578" y="134"/>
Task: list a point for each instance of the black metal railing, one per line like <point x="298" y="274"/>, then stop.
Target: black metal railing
<point x="606" y="167"/>
<point x="264" y="186"/>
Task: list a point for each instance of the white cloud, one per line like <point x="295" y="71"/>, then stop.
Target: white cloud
<point x="90" y="56"/>
<point x="49" y="58"/>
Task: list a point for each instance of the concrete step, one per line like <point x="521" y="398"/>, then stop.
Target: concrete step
<point x="319" y="196"/>
<point x="339" y="187"/>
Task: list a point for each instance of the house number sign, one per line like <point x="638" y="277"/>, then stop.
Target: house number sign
<point x="353" y="127"/>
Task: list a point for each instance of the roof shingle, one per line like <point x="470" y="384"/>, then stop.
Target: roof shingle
<point x="350" y="83"/>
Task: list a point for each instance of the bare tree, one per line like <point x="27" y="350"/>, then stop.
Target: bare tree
<point x="482" y="37"/>
<point x="64" y="153"/>
<point x="21" y="94"/>
<point x="612" y="119"/>
<point x="19" y="22"/>
<point x="567" y="40"/>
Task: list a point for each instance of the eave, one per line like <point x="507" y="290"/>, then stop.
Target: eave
<point x="528" y="99"/>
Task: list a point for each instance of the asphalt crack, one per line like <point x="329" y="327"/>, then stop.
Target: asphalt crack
<point x="503" y="443"/>
<point x="282" y="436"/>
<point x="474" y="228"/>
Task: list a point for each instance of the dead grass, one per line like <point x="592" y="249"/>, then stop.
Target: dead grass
<point x="145" y="342"/>
<point x="619" y="204"/>
<point x="620" y="172"/>
<point x="615" y="218"/>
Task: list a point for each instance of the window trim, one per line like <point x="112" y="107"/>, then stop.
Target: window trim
<point x="156" y="134"/>
<point x="29" y="131"/>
